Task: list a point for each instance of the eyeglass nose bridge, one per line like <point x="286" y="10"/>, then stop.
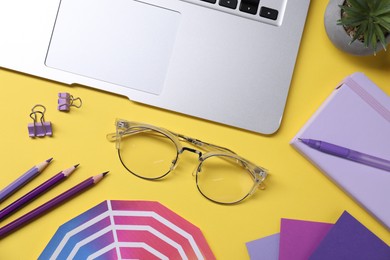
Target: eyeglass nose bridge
<point x="199" y="153"/>
<point x="175" y="161"/>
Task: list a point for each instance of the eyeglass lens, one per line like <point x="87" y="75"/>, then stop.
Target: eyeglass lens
<point x="148" y="154"/>
<point x="224" y="179"/>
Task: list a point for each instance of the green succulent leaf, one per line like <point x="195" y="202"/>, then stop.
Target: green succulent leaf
<point x="384" y="11"/>
<point x="384" y="24"/>
<point x="383" y="5"/>
<point x="362" y="28"/>
<point x="370" y="35"/>
<point x="380" y="36"/>
<point x="360" y="3"/>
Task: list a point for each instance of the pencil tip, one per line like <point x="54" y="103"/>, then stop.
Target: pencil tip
<point x="77" y="165"/>
<point x="49" y="160"/>
<point x="105" y="173"/>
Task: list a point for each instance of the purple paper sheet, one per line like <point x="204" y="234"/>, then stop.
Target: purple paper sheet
<point x="266" y="248"/>
<point x="299" y="238"/>
<point x="349" y="239"/>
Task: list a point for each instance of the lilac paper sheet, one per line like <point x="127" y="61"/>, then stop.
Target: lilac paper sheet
<point x="349" y="239"/>
<point x="266" y="248"/>
<point x="299" y="238"/>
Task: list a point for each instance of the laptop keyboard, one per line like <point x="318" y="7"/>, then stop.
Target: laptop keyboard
<point x="269" y="11"/>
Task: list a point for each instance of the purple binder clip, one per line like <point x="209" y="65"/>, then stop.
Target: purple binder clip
<point x="39" y="128"/>
<point x="65" y="101"/>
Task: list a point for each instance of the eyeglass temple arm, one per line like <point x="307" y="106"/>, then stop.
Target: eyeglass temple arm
<point x="204" y="145"/>
<point x="113" y="136"/>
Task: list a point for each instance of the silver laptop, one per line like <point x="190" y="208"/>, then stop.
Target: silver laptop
<point x="228" y="61"/>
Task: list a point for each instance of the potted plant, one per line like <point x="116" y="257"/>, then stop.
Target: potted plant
<point x="359" y="27"/>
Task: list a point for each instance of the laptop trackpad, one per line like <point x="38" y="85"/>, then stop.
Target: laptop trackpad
<point x="124" y="42"/>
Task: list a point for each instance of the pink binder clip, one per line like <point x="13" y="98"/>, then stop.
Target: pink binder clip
<point x="65" y="101"/>
<point x="39" y="128"/>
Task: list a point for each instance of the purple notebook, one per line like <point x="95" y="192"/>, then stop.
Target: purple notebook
<point x="356" y="115"/>
<point x="349" y="239"/>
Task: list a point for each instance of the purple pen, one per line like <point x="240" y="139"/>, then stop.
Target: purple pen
<point x="348" y="154"/>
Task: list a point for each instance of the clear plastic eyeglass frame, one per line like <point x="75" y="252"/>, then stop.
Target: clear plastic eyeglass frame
<point x="126" y="128"/>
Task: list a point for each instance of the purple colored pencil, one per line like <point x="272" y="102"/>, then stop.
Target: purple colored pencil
<point x="38" y="191"/>
<point x="22" y="180"/>
<point x="35" y="213"/>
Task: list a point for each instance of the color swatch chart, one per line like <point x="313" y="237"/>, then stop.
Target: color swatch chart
<point x="128" y="230"/>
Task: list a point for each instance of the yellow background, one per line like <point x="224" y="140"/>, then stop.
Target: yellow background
<point x="296" y="189"/>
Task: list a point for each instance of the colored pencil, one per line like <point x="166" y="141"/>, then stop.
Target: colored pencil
<point x="22" y="180"/>
<point x="35" y="213"/>
<point x="38" y="191"/>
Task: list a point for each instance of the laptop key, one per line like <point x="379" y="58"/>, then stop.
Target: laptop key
<point x="249" y="6"/>
<point x="269" y="13"/>
<point x="210" y="1"/>
<point x="228" y="3"/>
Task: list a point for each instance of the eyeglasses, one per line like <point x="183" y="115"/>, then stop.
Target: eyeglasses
<point x="151" y="152"/>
